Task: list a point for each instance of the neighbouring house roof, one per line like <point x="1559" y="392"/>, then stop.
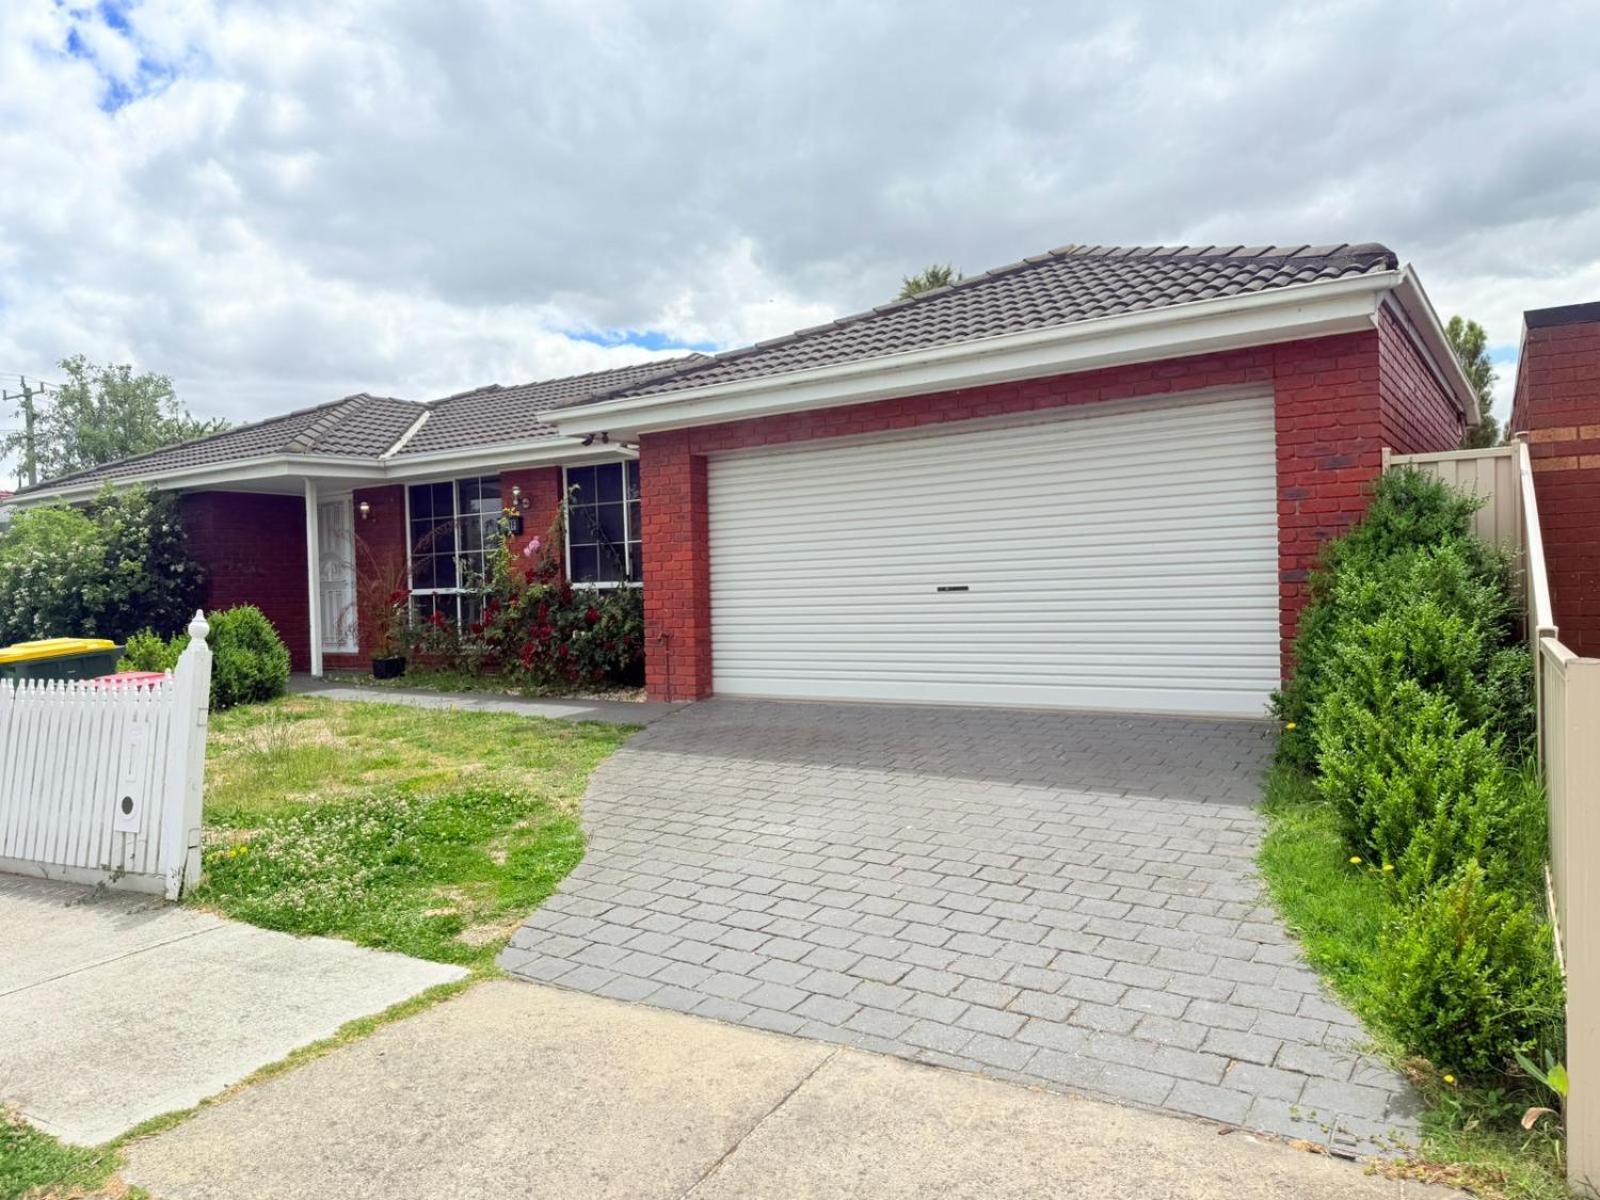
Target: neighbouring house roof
<point x="1061" y="287"/>
<point x="374" y="429"/>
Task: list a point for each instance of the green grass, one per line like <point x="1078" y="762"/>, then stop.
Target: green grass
<point x="1339" y="911"/>
<point x="429" y="833"/>
<point x="36" y="1164"/>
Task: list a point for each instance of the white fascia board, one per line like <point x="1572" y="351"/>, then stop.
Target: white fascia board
<point x="478" y="460"/>
<point x="246" y="470"/>
<point x="1279" y="315"/>
<point x="1425" y="321"/>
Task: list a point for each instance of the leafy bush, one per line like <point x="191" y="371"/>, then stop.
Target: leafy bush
<point x="249" y="662"/>
<point x="1415" y="542"/>
<point x="1468" y="978"/>
<point x="538" y="629"/>
<point x="1418" y="790"/>
<point x="119" y="566"/>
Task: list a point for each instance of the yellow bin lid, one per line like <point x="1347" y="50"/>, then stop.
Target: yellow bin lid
<point x="53" y="648"/>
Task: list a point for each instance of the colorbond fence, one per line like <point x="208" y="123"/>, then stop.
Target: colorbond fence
<point x="102" y="784"/>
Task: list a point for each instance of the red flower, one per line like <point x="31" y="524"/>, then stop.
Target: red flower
<point x="437" y="620"/>
<point x="399" y="596"/>
<point x="476" y="627"/>
<point x="591" y="615"/>
<point x="561" y="650"/>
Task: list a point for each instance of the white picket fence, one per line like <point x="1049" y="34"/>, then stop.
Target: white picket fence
<point x="102" y="784"/>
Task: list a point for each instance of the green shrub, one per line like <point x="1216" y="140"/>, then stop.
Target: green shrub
<point x="249" y="662"/>
<point x="1467" y="977"/>
<point x="147" y="651"/>
<point x="1418" y="790"/>
<point x="1416" y="541"/>
<point x="110" y="570"/>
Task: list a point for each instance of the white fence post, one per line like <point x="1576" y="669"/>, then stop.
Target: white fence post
<point x="180" y="814"/>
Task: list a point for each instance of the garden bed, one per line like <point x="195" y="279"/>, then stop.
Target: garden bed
<point x="1406" y="832"/>
<point x="431" y="833"/>
<point x="469" y="682"/>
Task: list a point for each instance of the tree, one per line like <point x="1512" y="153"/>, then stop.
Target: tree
<point x="1471" y="345"/>
<point x="937" y="276"/>
<point x="102" y="414"/>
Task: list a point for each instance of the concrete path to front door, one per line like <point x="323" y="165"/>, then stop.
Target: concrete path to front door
<point x="1058" y="899"/>
<point x="517" y="1090"/>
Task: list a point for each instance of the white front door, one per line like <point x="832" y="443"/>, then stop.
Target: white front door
<point x="336" y="542"/>
<point x="1120" y="558"/>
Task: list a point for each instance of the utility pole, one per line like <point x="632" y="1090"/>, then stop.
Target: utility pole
<point x="30" y="450"/>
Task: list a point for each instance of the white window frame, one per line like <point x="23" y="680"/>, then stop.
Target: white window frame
<point x="455" y="482"/>
<point x="627" y="526"/>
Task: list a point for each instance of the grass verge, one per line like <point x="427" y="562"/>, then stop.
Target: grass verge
<point x="34" y="1164"/>
<point x="425" y="832"/>
<point x="1470" y="1132"/>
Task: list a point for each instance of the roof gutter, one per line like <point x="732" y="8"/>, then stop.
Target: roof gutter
<point x="1320" y="309"/>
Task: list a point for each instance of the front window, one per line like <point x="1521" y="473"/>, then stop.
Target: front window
<point x="603" y="544"/>
<point x="453" y="527"/>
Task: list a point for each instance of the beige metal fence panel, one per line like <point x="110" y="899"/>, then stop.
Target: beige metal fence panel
<point x="1490" y="473"/>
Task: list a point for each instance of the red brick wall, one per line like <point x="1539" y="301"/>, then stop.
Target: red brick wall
<point x="542" y="489"/>
<point x="253" y="547"/>
<point x="1558" y="405"/>
<point x="1333" y="406"/>
<point x="1418" y="413"/>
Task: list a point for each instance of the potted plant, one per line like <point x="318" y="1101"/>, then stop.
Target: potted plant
<point x="385" y="611"/>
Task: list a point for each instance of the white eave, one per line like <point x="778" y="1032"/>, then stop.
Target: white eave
<point x="360" y="472"/>
<point x="1292" y="313"/>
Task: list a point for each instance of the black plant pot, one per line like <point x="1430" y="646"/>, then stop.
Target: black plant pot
<point x="388" y="668"/>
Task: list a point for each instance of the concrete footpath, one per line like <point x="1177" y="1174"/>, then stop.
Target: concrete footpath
<point x="525" y="1090"/>
<point x="115" y="1007"/>
<point x="552" y="708"/>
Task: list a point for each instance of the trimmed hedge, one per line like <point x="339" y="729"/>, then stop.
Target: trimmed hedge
<point x="249" y="662"/>
<point x="1412" y="707"/>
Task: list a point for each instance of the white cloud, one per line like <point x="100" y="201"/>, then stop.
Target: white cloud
<point x="307" y="197"/>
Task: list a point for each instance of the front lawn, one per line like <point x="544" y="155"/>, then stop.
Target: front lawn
<point x="432" y="833"/>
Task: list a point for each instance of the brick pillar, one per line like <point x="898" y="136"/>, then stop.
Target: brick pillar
<point x="1557" y="405"/>
<point x="677" y="582"/>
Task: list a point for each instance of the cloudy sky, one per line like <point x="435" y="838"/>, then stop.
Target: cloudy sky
<point x="280" y="203"/>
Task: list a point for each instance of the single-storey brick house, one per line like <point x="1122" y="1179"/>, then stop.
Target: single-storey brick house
<point x="1097" y="478"/>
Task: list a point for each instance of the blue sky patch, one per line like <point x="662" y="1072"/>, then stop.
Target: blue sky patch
<point x="149" y="78"/>
<point x="645" y="339"/>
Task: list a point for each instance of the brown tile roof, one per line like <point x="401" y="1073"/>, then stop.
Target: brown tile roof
<point x="492" y="415"/>
<point x="364" y="426"/>
<point x="1074" y="283"/>
<point x="359" y="425"/>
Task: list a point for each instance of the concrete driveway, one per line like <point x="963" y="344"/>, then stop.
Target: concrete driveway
<point x="1052" y="898"/>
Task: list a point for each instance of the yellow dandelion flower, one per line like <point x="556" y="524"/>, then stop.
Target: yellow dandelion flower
<point x="1388" y="868"/>
<point x="1450" y="1079"/>
<point x="1355" y="861"/>
<point x="1291" y="725"/>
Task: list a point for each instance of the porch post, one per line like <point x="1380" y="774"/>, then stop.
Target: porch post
<point x="313" y="578"/>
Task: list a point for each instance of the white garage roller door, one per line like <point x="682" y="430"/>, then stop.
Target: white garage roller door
<point x="1119" y="559"/>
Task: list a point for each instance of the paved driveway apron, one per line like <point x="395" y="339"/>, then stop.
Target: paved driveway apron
<point x="1058" y="898"/>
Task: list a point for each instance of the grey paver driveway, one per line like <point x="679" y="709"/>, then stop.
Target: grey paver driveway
<point x="1065" y="899"/>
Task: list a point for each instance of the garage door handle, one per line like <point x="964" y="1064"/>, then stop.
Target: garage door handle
<point x="952" y="587"/>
